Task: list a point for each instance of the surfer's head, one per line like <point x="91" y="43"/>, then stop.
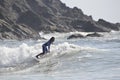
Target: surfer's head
<point x="52" y="39"/>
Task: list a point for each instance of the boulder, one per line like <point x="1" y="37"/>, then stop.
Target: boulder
<point x="75" y="36"/>
<point x="95" y="34"/>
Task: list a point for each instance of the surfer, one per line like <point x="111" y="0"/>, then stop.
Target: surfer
<point x="46" y="47"/>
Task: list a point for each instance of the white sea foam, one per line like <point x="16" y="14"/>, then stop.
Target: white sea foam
<point x="11" y="56"/>
<point x="24" y="53"/>
<point x="69" y="59"/>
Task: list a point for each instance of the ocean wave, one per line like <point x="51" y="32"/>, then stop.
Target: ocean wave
<point x="22" y="56"/>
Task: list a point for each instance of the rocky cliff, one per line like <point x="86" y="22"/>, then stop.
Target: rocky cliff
<point x="24" y="19"/>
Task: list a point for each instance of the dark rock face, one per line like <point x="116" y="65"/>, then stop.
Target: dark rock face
<point x="19" y="32"/>
<point x="22" y="18"/>
<point x="31" y="19"/>
<point x="108" y="25"/>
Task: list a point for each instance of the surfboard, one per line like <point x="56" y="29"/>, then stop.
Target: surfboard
<point x="42" y="58"/>
<point x="39" y="57"/>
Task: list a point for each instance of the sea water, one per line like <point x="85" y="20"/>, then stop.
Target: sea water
<point x="89" y="58"/>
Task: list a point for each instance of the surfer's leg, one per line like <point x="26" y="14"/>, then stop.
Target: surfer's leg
<point x="37" y="55"/>
<point x="44" y="48"/>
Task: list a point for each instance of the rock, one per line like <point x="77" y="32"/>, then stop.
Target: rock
<point x="18" y="32"/>
<point x="24" y="19"/>
<point x="88" y="26"/>
<point x="108" y="25"/>
<point x="75" y="36"/>
<point x="95" y="34"/>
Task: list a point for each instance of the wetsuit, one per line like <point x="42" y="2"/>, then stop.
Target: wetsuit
<point x="46" y="47"/>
